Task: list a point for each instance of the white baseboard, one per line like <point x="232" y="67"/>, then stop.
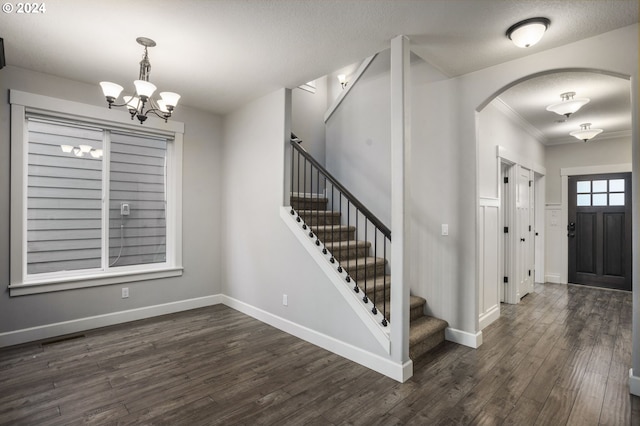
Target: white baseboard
<point x="82" y="324"/>
<point x="396" y="371"/>
<point x="463" y="337"/>
<point x="553" y="278"/>
<point x="489" y="317"/>
<point x="634" y="383"/>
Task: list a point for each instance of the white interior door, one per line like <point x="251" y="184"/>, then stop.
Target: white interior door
<point x="524" y="228"/>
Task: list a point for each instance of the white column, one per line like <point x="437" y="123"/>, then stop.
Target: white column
<point x="400" y="188"/>
<point x="634" y="373"/>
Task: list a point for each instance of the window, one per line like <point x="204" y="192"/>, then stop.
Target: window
<point x="600" y="192"/>
<point x="94" y="202"/>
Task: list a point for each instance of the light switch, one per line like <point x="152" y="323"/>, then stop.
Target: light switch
<point x="445" y="229"/>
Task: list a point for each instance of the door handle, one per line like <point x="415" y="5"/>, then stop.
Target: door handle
<point x="522" y="239"/>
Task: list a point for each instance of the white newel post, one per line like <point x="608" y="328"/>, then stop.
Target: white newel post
<point x="400" y="151"/>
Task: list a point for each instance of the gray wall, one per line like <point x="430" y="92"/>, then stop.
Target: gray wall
<point x="596" y="152"/>
<point x="201" y="213"/>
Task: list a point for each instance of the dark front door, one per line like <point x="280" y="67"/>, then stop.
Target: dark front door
<point x="599" y="230"/>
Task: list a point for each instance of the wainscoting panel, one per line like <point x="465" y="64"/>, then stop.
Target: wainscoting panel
<point x="489" y="260"/>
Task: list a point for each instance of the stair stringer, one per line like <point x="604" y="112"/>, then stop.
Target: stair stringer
<point x="371" y="321"/>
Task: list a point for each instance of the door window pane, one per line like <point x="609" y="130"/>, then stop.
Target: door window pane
<point x="616" y="185"/>
<point x="599" y="186"/>
<point x="584" y="200"/>
<point x="616" y="199"/>
<point x="599" y="199"/>
<point x="584" y="186"/>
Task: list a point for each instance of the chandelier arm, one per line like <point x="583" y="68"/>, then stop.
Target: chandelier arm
<point x="164" y="115"/>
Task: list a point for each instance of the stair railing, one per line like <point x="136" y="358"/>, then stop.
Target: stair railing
<point x="308" y="175"/>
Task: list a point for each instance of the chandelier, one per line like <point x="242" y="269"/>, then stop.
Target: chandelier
<point x="586" y="132"/>
<point x="141" y="104"/>
<point x="568" y="105"/>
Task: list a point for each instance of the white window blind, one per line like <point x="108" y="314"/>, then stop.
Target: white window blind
<point x="65" y="212"/>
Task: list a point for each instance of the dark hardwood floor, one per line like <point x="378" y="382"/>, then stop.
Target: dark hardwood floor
<point x="561" y="356"/>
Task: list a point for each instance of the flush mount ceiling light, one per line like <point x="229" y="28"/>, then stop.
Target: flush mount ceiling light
<point x="586" y="132"/>
<point x="137" y="103"/>
<point x="568" y="105"/>
<point x="528" y="32"/>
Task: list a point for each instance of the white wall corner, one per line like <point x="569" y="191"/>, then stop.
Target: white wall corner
<point x="397" y="371"/>
<point x="83" y="324"/>
<point x="634" y="383"/>
<point x="463" y="338"/>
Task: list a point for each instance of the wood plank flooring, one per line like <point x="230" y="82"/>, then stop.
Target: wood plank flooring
<point x="561" y="356"/>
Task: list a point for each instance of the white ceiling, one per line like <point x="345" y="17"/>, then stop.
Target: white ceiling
<point x="220" y="54"/>
<point x="609" y="107"/>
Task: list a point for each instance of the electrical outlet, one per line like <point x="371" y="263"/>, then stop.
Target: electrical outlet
<point x="125" y="292"/>
<point x="285" y="300"/>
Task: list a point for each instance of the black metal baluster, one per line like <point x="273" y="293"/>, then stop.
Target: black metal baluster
<point x="304" y="194"/>
<point x="324" y="248"/>
<point x="384" y="288"/>
<point x="375" y="272"/>
<point x="318" y="210"/>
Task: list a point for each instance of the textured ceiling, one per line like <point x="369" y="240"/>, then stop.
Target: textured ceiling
<point x="220" y="54"/>
<point x="609" y="107"/>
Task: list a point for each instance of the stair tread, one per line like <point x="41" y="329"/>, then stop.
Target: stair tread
<point x="375" y="283"/>
<point x="322" y="228"/>
<point x="307" y="197"/>
<point x="424" y="327"/>
<point x="317" y="212"/>
<point x="360" y="262"/>
<point x="415" y="301"/>
<point x="332" y="245"/>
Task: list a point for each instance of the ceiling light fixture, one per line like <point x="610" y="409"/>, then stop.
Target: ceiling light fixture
<point x="343" y="80"/>
<point x="568" y="105"/>
<point x="528" y="32"/>
<point x="136" y="104"/>
<point x="586" y="132"/>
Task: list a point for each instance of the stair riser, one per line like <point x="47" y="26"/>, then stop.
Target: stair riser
<point x="336" y="235"/>
<point x="416" y="351"/>
<point x="371" y="271"/>
<point x="415" y="313"/>
<point x="346" y="254"/>
<point x="313" y="220"/>
<point x="309" y="204"/>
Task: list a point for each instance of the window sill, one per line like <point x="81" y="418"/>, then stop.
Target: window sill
<point x="61" y="284"/>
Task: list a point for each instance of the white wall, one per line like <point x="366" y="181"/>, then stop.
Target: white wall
<point x="307" y="118"/>
<point x="263" y="260"/>
<point x="497" y="128"/>
<point x="201" y="214"/>
<point x="358" y="139"/>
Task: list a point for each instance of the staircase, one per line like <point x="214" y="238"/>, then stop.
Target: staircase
<point x="368" y="272"/>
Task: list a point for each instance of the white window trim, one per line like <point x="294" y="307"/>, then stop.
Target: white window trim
<point x="23" y="103"/>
